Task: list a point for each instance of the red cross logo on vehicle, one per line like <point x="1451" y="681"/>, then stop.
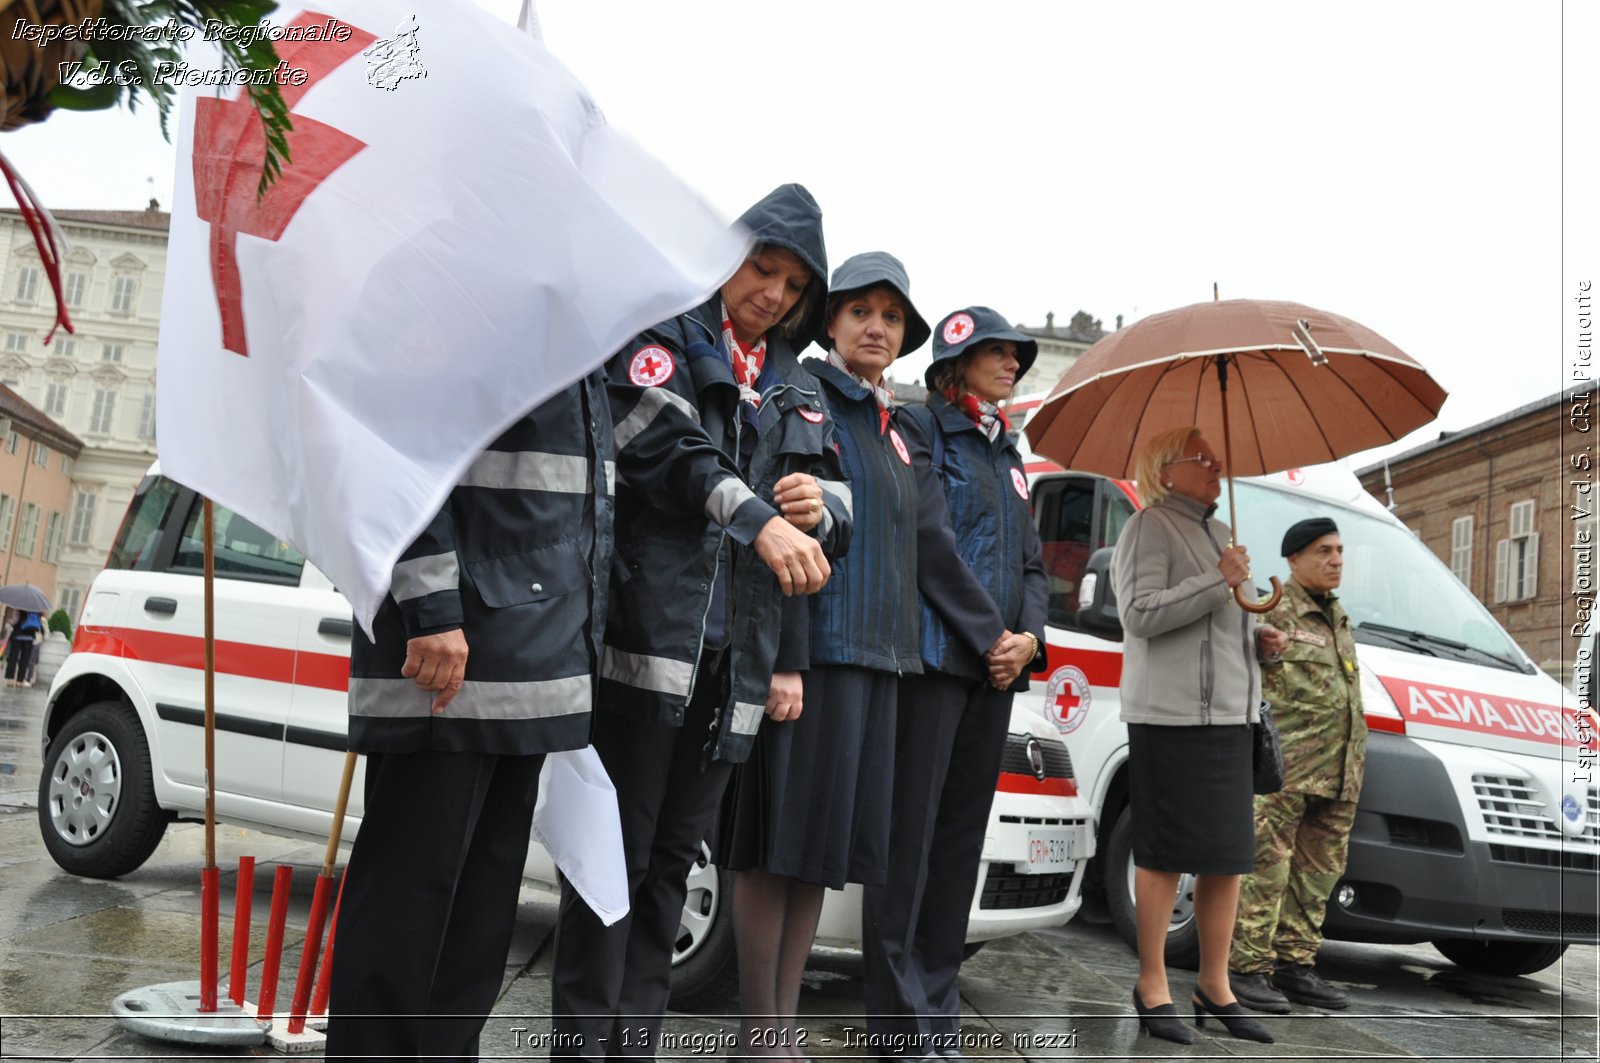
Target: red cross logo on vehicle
<point x="651" y="366"/>
<point x="1067" y="698"/>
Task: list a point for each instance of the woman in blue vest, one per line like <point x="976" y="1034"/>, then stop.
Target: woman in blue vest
<point x="811" y="808"/>
<point x="983" y="590"/>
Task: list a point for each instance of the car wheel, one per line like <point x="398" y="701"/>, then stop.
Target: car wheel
<point x="1183" y="937"/>
<point x="1507" y="958"/>
<point x="705" y="964"/>
<point x="97" y="805"/>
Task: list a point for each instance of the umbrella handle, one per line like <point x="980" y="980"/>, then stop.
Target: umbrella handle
<point x="1259" y="607"/>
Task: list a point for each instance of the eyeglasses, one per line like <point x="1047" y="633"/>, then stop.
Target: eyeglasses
<point x="1205" y="461"/>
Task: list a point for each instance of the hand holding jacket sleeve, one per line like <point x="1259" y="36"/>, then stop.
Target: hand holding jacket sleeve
<point x="942" y="576"/>
<point x="1140" y="572"/>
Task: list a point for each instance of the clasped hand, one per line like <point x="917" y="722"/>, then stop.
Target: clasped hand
<point x="1010" y="654"/>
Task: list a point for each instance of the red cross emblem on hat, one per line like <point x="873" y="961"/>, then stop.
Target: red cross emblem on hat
<point x="651" y="366"/>
<point x="958" y="328"/>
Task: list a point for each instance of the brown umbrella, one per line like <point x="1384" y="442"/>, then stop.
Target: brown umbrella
<point x="1302" y="386"/>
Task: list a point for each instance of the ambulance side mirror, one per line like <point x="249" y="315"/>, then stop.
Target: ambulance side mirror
<point x="1097" y="602"/>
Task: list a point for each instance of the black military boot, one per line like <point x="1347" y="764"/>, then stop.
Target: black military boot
<point x="1255" y="992"/>
<point x="1301" y="983"/>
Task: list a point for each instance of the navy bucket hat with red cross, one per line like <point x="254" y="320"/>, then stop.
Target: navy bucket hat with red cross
<point x="869" y="270"/>
<point x="963" y="328"/>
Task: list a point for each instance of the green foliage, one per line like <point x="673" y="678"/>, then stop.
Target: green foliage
<point x="145" y="57"/>
<point x="59" y="621"/>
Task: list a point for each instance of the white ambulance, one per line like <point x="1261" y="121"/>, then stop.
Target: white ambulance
<point x="122" y="741"/>
<point x="1478" y="827"/>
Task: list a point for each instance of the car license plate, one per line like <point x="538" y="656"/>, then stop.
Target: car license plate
<point x="1049" y="852"/>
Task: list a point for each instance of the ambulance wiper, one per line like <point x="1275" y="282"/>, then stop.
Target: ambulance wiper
<point x="1428" y="643"/>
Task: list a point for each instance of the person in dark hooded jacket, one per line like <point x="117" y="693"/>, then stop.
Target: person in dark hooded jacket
<point x="695" y="654"/>
<point x="983" y="588"/>
<point x="811" y="807"/>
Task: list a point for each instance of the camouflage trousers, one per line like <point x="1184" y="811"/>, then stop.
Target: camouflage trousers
<point x="1301" y="845"/>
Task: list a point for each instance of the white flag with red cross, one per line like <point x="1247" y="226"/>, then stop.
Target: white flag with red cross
<point x="459" y="235"/>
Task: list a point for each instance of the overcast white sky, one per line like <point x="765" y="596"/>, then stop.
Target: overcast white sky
<point x="1398" y="163"/>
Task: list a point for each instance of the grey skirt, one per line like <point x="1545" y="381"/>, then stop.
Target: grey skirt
<point x="1190" y="792"/>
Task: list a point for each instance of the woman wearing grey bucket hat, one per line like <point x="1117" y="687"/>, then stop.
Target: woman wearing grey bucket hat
<point x="983" y="588"/>
<point x="810" y="809"/>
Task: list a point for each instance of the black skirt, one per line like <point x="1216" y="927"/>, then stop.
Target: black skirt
<point x="1190" y="792"/>
<point x="813" y="801"/>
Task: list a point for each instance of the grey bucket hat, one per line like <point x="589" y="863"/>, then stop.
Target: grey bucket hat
<point x="865" y="270"/>
<point x="962" y="328"/>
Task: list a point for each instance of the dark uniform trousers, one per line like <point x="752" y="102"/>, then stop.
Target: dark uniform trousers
<point x="610" y="984"/>
<point x="434" y="939"/>
<point x="948" y="749"/>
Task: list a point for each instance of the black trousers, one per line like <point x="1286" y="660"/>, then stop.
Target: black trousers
<point x="610" y="984"/>
<point x="948" y="748"/>
<point x="19" y="658"/>
<point x="425" y="923"/>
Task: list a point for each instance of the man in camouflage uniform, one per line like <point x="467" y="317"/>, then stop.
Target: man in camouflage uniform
<point x="1303" y="832"/>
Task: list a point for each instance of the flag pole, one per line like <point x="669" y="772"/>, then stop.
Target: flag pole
<point x="209" y="875"/>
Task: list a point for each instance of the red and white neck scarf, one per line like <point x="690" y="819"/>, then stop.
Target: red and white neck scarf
<point x="988" y="416"/>
<point x="746" y="364"/>
<point x="884" y="397"/>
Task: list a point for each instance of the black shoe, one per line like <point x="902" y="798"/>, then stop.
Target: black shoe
<point x="1255" y="991"/>
<point x="1301" y="983"/>
<point x="1161" y="1021"/>
<point x="1230" y="1015"/>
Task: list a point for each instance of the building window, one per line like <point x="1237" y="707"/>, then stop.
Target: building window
<point x="63" y="347"/>
<point x="28" y="536"/>
<point x="8" y="516"/>
<point x="124" y="290"/>
<point x="27" y="284"/>
<point x="41" y="455"/>
<point x="82" y="529"/>
<point x="147" y="417"/>
<point x="66" y="465"/>
<point x="77" y="284"/>
<point x="55" y="399"/>
<point x="111" y="352"/>
<point x="52" y="539"/>
<point x="105" y="409"/>
<point x="71" y="599"/>
<point x="1516" y="557"/>
<point x="11" y="443"/>
<point x="1461" y="549"/>
<point x="17" y="342"/>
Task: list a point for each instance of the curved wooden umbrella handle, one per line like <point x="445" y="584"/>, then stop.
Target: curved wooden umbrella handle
<point x="1259" y="607"/>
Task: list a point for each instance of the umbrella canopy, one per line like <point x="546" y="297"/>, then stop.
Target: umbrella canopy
<point x="25" y="596"/>
<point x="1303" y="387"/>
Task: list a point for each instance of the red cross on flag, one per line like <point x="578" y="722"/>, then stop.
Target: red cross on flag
<point x="458" y="236"/>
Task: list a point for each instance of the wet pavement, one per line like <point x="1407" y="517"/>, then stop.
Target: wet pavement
<point x="68" y="946"/>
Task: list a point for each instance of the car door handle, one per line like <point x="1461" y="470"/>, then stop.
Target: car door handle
<point x="333" y="626"/>
<point x="165" y="606"/>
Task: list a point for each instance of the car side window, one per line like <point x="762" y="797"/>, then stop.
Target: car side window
<point x="1115" y="512"/>
<point x="1065" y="512"/>
<point x="139" y="539"/>
<point x="241" y="549"/>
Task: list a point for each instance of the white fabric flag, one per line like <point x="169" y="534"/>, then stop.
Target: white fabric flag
<point x="577" y="822"/>
<point x="459" y="236"/>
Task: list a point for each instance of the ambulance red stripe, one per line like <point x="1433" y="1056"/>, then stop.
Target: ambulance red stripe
<point x="328" y="671"/>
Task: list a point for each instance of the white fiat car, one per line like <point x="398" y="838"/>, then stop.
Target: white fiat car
<point x="123" y="736"/>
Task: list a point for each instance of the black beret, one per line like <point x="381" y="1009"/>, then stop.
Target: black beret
<point x="1303" y="533"/>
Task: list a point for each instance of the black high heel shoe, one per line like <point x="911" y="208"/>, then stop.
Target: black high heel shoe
<point x="1161" y="1021"/>
<point x="1230" y="1015"/>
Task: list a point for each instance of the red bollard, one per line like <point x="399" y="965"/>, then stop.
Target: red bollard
<point x="319" y="999"/>
<point x="210" y="886"/>
<point x="269" y="967"/>
<point x="243" y="889"/>
<point x="308" y="955"/>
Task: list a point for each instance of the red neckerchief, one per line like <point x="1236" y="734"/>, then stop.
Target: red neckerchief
<point x="988" y="416"/>
<point x="882" y="395"/>
<point x="746" y="365"/>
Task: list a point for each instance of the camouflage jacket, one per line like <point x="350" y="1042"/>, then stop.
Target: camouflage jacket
<point x="1315" y="693"/>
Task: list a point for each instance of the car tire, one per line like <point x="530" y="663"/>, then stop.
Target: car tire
<point x="97" y="804"/>
<point x="1509" y="958"/>
<point x="1183" y="936"/>
<point x="705" y="961"/>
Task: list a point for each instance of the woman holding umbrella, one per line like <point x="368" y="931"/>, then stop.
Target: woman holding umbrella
<point x="983" y="589"/>
<point x="1190" y="687"/>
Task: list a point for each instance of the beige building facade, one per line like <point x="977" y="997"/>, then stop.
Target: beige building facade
<point x="99" y="383"/>
<point x="37" y="461"/>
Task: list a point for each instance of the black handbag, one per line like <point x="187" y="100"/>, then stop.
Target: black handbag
<point x="1266" y="753"/>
